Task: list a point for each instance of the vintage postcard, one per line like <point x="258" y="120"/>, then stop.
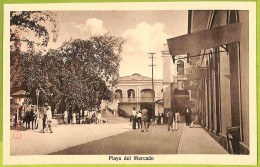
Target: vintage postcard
<point x="130" y="83"/>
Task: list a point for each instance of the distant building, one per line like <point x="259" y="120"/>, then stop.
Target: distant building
<point x="176" y="96"/>
<point x="136" y="91"/>
<point x="217" y="48"/>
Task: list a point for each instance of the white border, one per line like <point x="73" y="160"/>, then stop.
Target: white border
<point x="158" y="159"/>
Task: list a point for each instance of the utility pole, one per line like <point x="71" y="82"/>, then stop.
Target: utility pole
<point x="152" y="57"/>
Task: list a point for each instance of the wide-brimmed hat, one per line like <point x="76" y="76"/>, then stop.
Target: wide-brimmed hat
<point x="46" y="104"/>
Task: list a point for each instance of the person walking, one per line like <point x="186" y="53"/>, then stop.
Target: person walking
<point x="133" y="118"/>
<point x="49" y="119"/>
<point x="144" y="120"/>
<point x="169" y="120"/>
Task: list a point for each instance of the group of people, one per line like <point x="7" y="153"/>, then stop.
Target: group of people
<point x="31" y="116"/>
<point x="86" y="117"/>
<point x="160" y="118"/>
<point x="174" y="116"/>
<point x="141" y="118"/>
<point x="172" y="120"/>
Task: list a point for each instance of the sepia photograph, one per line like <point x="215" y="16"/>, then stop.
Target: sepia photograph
<point x="129" y="84"/>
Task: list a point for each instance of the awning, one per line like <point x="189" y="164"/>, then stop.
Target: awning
<point x="195" y="42"/>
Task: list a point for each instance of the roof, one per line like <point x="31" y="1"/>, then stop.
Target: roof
<point x="135" y="77"/>
<point x="20" y="93"/>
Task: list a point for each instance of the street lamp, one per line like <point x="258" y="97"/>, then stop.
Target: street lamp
<point x="37" y="95"/>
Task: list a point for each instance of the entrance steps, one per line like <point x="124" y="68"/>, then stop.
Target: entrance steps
<point x="107" y="115"/>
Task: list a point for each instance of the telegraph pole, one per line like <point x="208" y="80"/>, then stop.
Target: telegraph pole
<point x="152" y="57"/>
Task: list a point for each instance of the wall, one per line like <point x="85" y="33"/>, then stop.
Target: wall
<point x="127" y="108"/>
<point x="167" y="96"/>
<point x="244" y="64"/>
<point x="233" y="79"/>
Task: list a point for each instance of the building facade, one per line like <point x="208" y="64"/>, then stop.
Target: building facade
<point x="176" y="95"/>
<point x="136" y="91"/>
<point x="217" y="48"/>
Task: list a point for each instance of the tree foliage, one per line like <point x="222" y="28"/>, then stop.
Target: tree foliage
<point x="79" y="73"/>
<point x="34" y="22"/>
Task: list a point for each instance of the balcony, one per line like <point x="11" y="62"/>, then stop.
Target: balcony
<point x="191" y="74"/>
<point x="195" y="73"/>
<point x="138" y="99"/>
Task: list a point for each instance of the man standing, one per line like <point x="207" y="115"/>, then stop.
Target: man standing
<point x="44" y="118"/>
<point x="99" y="121"/>
<point x="175" y="121"/>
<point x="85" y="114"/>
<point x="145" y="119"/>
<point x="49" y="118"/>
<point x="187" y="115"/>
<point x="169" y="120"/>
<point x="37" y="117"/>
<point x="65" y="115"/>
<point x="139" y="119"/>
<point x="80" y="117"/>
<point x="133" y="118"/>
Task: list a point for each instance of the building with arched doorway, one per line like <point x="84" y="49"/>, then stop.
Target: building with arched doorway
<point x="136" y="91"/>
<point x="176" y="95"/>
<point x="216" y="49"/>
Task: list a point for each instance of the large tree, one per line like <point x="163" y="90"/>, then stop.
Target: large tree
<point x="30" y="30"/>
<point x="79" y="73"/>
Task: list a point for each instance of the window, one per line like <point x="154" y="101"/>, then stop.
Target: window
<point x="180" y="67"/>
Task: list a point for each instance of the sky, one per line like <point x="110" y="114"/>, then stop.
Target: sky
<point x="143" y="31"/>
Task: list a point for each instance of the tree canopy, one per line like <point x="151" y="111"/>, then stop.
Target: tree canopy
<point x="79" y="73"/>
<point x="38" y="24"/>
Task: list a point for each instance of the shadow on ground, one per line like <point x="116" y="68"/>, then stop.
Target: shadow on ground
<point x="157" y="141"/>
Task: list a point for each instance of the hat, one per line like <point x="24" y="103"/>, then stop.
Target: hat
<point x="46" y="104"/>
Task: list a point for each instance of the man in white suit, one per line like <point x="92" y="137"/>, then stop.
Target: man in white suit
<point x="49" y="118"/>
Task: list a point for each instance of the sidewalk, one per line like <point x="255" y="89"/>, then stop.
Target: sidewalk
<point x="64" y="136"/>
<point x="197" y="141"/>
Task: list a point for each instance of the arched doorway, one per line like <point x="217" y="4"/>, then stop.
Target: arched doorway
<point x="130" y="93"/>
<point x="180" y="98"/>
<point x="180" y="67"/>
<point x="147" y="101"/>
<point x="118" y="93"/>
<point x="147" y="95"/>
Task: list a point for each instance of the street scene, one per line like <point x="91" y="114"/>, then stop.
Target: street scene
<point x="129" y="82"/>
